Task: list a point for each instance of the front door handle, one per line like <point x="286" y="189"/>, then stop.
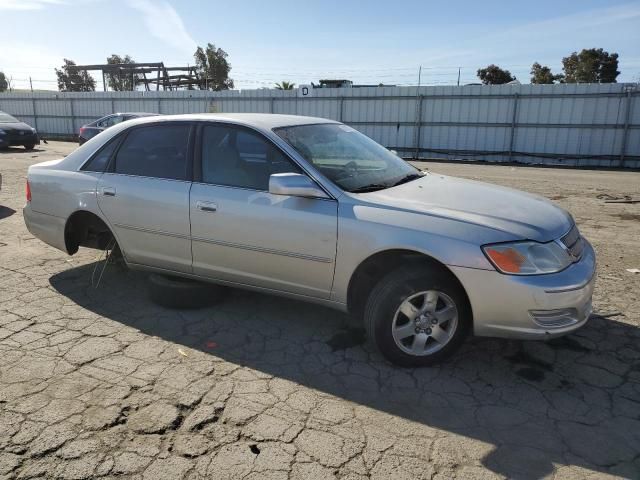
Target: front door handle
<point x="206" y="206"/>
<point x="109" y="191"/>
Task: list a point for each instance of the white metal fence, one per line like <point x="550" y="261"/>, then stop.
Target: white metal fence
<point x="582" y="125"/>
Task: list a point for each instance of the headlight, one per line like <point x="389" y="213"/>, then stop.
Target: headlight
<point x="2" y="132"/>
<point x="527" y="258"/>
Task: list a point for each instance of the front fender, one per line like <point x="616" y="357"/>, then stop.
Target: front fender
<point x="364" y="231"/>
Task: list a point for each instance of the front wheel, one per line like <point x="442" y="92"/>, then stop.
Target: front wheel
<point x="29" y="146"/>
<point x="417" y="315"/>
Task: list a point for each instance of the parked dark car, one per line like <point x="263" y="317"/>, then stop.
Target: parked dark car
<point x="92" y="129"/>
<point x="14" y="132"/>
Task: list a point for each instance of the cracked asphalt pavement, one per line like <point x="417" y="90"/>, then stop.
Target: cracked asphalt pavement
<point x="100" y="382"/>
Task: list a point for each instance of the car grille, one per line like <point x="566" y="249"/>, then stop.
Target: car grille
<point x="574" y="242"/>
<point x="19" y="135"/>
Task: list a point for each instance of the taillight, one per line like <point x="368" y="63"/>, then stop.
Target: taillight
<point x="82" y="129"/>
<point x="28" y="191"/>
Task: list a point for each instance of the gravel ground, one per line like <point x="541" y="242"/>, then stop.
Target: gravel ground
<point x="100" y="382"/>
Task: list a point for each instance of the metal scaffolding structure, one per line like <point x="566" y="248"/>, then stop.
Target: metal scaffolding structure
<point x="160" y="76"/>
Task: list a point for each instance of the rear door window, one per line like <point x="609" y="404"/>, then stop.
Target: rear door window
<point x="159" y="151"/>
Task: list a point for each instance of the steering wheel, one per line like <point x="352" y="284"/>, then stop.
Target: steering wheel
<point x="350" y="169"/>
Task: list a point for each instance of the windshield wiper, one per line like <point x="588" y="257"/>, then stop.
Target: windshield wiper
<point x="372" y="187"/>
<point x="408" y="178"/>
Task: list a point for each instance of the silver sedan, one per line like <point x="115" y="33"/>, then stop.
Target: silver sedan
<point x="312" y="209"/>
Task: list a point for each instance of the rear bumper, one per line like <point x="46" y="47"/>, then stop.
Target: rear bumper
<point x="530" y="307"/>
<point x="48" y="228"/>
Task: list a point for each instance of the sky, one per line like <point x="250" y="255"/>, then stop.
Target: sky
<point x="369" y="42"/>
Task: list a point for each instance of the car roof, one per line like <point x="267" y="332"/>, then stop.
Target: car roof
<point x="265" y="121"/>
<point x="137" y="114"/>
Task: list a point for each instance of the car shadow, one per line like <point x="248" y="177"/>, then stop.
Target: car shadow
<point x="572" y="401"/>
<point x="20" y="150"/>
<point x="6" y="212"/>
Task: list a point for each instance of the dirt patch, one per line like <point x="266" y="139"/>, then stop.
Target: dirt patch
<point x="628" y="216"/>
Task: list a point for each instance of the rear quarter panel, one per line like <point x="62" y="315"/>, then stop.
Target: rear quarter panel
<point x="60" y="192"/>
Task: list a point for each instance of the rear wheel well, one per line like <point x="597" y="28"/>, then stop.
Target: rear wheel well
<point x="86" y="229"/>
<point x="374" y="268"/>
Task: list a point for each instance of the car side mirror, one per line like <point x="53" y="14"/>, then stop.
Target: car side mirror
<point x="295" y="185"/>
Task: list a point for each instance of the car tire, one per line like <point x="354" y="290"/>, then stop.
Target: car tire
<point x="432" y="294"/>
<point x="30" y="146"/>
<point x="182" y="293"/>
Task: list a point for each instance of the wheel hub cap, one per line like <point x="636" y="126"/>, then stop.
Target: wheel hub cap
<point x="422" y="322"/>
<point x="425" y="322"/>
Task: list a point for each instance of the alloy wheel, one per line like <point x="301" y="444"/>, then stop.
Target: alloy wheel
<point x="425" y="322"/>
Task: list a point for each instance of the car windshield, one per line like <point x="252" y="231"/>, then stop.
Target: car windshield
<point x="348" y="158"/>
<point x="6" y="118"/>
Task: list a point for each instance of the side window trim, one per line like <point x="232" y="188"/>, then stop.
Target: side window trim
<point x="111" y="168"/>
<point x="197" y="157"/>
<point x="191" y="138"/>
<point x="190" y="151"/>
<point x="196" y="164"/>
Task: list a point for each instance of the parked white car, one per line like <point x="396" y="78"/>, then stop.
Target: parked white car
<point x="314" y="210"/>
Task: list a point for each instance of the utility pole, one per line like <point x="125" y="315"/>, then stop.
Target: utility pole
<point x="419" y="75"/>
<point x="31" y="84"/>
<point x="459" y="75"/>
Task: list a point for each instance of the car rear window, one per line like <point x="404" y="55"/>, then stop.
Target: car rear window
<point x="159" y="151"/>
<point x="101" y="159"/>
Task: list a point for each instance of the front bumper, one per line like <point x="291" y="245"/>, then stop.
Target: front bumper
<point x="13" y="138"/>
<point x="530" y="307"/>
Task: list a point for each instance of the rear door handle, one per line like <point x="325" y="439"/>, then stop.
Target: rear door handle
<point x="109" y="191"/>
<point x="206" y="206"/>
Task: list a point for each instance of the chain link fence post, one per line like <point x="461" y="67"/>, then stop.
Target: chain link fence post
<point x="625" y="131"/>
<point x="417" y="128"/>
<point x="514" y="125"/>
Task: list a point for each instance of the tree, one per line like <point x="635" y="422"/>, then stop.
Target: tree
<point x="3" y="82"/>
<point x="213" y="68"/>
<point x="494" y="75"/>
<point x="542" y="75"/>
<point x="121" y="82"/>
<point x="284" y="85"/>
<point x="70" y="79"/>
<point x="592" y="65"/>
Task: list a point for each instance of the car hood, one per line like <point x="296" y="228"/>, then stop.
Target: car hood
<point x="15" y="126"/>
<point x="518" y="214"/>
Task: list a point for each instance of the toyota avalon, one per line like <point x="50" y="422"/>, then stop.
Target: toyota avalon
<point x="314" y="210"/>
